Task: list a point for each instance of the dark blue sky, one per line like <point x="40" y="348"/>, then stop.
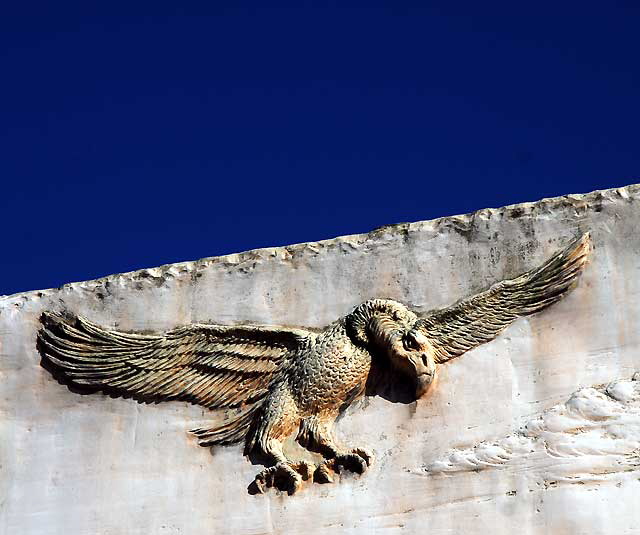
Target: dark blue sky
<point x="145" y="137"/>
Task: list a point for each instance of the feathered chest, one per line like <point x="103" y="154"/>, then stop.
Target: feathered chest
<point x="329" y="372"/>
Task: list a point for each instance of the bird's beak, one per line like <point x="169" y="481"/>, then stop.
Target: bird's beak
<point x="423" y="383"/>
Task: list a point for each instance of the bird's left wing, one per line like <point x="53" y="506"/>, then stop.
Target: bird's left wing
<point x="474" y="321"/>
<point x="210" y="365"/>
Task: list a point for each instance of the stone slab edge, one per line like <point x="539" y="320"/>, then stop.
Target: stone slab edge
<point x="243" y="260"/>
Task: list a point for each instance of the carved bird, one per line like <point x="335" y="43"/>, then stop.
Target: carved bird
<point x="282" y="381"/>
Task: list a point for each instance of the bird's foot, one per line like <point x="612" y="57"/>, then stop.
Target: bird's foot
<point x="323" y="473"/>
<point x="287" y="476"/>
<point x="356" y="460"/>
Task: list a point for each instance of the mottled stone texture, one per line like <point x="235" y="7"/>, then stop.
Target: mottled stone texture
<point x="536" y="432"/>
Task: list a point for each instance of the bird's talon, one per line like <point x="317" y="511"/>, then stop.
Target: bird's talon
<point x="365" y="454"/>
<point x="283" y="476"/>
<point x="259" y="483"/>
<point x="303" y="468"/>
<point x="323" y="473"/>
<point x="357" y="460"/>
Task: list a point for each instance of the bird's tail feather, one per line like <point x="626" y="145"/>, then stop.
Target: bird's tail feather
<point x="231" y="431"/>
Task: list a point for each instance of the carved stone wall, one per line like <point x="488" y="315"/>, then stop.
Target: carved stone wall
<point x="536" y="432"/>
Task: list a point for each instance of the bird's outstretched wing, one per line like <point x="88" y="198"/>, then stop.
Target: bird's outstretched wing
<point x="473" y="321"/>
<point x="210" y="365"/>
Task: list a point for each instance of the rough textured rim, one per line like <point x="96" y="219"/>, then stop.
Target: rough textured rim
<point x="352" y="241"/>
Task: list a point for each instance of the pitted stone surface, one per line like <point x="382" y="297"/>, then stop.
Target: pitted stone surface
<point x="92" y="464"/>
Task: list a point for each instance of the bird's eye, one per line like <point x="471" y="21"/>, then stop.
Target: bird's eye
<point x="410" y="342"/>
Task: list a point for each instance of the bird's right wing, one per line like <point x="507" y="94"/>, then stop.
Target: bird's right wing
<point x="210" y="365"/>
<point x="476" y="320"/>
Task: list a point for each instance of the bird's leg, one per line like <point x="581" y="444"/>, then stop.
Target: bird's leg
<point x="279" y="421"/>
<point x="315" y="434"/>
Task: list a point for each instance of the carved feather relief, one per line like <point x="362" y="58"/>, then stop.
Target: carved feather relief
<point x="283" y="381"/>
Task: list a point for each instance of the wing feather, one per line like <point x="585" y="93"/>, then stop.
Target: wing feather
<point x="476" y="320"/>
<point x="211" y="365"/>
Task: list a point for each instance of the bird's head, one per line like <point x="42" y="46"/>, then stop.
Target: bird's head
<point x="412" y="354"/>
<point x="391" y="328"/>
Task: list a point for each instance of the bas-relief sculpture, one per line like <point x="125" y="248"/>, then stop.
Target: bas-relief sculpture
<point x="277" y="382"/>
<point x="536" y="432"/>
